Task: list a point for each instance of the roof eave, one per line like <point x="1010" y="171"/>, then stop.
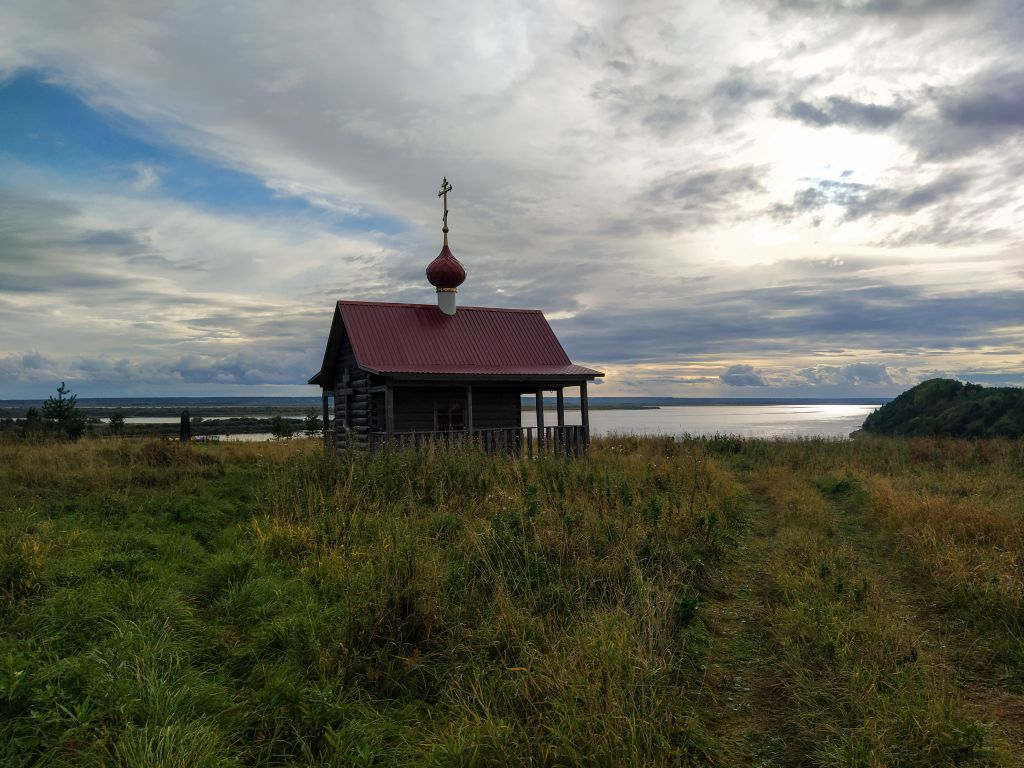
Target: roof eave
<point x="502" y="377"/>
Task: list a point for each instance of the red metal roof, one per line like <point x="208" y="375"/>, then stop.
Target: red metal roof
<point x="420" y="339"/>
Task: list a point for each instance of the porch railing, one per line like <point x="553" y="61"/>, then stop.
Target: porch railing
<point x="568" y="440"/>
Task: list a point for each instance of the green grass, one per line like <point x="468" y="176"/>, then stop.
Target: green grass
<point x="705" y="602"/>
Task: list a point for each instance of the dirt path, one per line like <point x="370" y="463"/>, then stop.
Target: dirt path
<point x="739" y="671"/>
<point x="981" y="692"/>
<point x="754" y="722"/>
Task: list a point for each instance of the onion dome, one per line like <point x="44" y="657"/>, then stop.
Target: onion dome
<point x="445" y="271"/>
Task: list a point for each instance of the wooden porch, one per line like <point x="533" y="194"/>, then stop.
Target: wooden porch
<point x="358" y="424"/>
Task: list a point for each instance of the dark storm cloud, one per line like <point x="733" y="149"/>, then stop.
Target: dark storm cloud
<point x="839" y="110"/>
<point x="742" y="376"/>
<point x="862" y="200"/>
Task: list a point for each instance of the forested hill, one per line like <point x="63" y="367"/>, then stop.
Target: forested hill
<point x="949" y="407"/>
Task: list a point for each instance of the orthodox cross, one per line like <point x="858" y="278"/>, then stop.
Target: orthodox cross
<point x="445" y="189"/>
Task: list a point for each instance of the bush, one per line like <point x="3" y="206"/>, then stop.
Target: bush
<point x="280" y="428"/>
<point x="116" y="424"/>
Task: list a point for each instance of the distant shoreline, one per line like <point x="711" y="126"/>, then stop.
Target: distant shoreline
<point x="300" y="404"/>
<point x="226" y="407"/>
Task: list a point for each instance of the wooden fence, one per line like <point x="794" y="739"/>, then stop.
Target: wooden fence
<point x="569" y="440"/>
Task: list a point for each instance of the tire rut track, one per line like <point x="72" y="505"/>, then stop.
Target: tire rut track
<point x="739" y="674"/>
<point x="981" y="694"/>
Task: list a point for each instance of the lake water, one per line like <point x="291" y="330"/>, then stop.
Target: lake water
<point x="786" y="421"/>
<point x="177" y="419"/>
<point x="768" y="421"/>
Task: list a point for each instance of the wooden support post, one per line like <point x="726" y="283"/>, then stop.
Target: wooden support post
<point x="469" y="409"/>
<point x="540" y="420"/>
<point x="326" y="414"/>
<point x="560" y="410"/>
<point x="585" y="414"/>
<point x="389" y="411"/>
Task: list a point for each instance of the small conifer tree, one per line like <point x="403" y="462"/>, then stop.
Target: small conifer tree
<point x="61" y="413"/>
<point x="116" y="424"/>
<point x="312" y="424"/>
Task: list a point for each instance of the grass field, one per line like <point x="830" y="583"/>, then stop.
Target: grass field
<point x="707" y="602"/>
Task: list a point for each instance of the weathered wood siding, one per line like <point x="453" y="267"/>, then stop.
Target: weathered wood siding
<point x="346" y="359"/>
<point x="493" y="408"/>
<point x="353" y="411"/>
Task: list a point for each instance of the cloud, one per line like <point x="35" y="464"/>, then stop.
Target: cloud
<point x="852" y="374"/>
<point x="660" y="113"/>
<point x="690" y="199"/>
<point x="282" y="366"/>
<point x="839" y="110"/>
<point x="880" y="8"/>
<point x="993" y="100"/>
<point x="615" y="168"/>
<point x="854" y="310"/>
<point x="743" y="376"/>
<point x="743" y="86"/>
<point x="942" y="231"/>
<point x="858" y="201"/>
<point x="147" y="176"/>
<point x="984" y="111"/>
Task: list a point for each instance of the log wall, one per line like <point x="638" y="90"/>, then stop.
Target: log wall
<point x="493" y="408"/>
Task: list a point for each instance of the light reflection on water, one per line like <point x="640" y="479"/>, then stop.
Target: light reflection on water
<point x="788" y="421"/>
<point x="768" y="421"/>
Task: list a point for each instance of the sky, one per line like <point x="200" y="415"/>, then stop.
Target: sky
<point x="741" y="198"/>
